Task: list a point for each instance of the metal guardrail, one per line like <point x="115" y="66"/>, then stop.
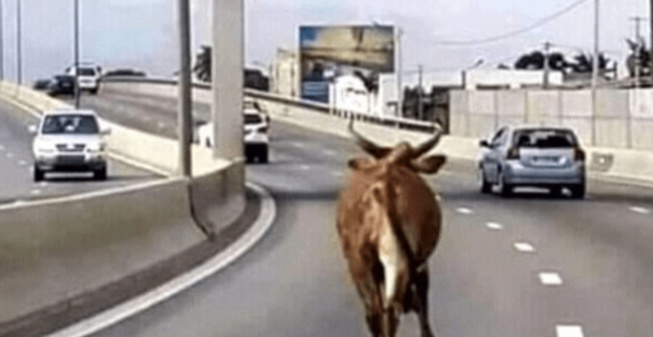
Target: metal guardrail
<point x="389" y="121"/>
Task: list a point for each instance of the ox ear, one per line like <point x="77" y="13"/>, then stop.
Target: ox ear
<point x="429" y="165"/>
<point x="360" y="163"/>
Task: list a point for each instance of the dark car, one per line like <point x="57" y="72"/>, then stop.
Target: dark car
<point x="62" y="85"/>
<point x="42" y="84"/>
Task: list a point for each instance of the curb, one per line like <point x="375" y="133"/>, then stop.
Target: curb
<point x="183" y="282"/>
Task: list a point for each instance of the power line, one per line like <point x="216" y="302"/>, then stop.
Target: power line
<point x="517" y="32"/>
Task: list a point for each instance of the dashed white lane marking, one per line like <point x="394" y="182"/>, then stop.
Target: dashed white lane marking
<point x="2" y="147"/>
<point x="550" y="279"/>
<point x="640" y="210"/>
<point x="524" y="247"/>
<point x="331" y="153"/>
<point x="10" y="155"/>
<point x="146" y="119"/>
<point x="43" y="183"/>
<point x="494" y="226"/>
<point x="569" y="331"/>
<point x="22" y="163"/>
<point x="464" y="210"/>
<point x="298" y="144"/>
<point x="304" y="167"/>
<point x="337" y="173"/>
<point x="35" y="192"/>
<point x="161" y="125"/>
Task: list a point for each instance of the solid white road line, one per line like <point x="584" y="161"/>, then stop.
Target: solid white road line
<point x="569" y="331"/>
<point x="640" y="210"/>
<point x="155" y="296"/>
<point x="550" y="279"/>
<point x="494" y="226"/>
<point x="524" y="247"/>
<point x="464" y="210"/>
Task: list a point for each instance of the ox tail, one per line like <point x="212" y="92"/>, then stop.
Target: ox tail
<point x="395" y="253"/>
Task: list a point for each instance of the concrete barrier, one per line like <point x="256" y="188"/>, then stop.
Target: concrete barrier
<point x="604" y="162"/>
<point x="63" y="247"/>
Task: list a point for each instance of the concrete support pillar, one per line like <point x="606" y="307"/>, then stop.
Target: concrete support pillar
<point x="227" y="77"/>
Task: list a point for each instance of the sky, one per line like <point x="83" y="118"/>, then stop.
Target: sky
<point x="142" y="33"/>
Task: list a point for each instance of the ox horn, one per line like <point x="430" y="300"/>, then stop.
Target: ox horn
<point x="429" y="144"/>
<point x="367" y="145"/>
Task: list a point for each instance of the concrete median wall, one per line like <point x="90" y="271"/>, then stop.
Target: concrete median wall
<point x="64" y="247"/>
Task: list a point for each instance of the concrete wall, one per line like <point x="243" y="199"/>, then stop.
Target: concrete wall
<point x="64" y="247"/>
<point x="623" y="118"/>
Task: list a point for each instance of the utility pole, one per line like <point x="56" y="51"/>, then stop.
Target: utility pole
<point x="420" y="102"/>
<point x="19" y="47"/>
<point x="185" y="100"/>
<point x="547" y="68"/>
<point x="595" y="68"/>
<point x="76" y="47"/>
<point x="638" y="52"/>
<point x="399" y="71"/>
<point x="2" y="42"/>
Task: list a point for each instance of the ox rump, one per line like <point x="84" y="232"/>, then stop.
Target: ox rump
<point x="389" y="224"/>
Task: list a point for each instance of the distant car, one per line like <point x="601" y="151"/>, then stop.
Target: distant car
<point x="549" y="157"/>
<point x="253" y="106"/>
<point x="69" y="141"/>
<point x="88" y="77"/>
<point x="256" y="136"/>
<point x="61" y="85"/>
<point x="124" y="73"/>
<point x="42" y="84"/>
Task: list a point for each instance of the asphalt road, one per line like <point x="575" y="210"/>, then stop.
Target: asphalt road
<point x="16" y="161"/>
<point x="526" y="266"/>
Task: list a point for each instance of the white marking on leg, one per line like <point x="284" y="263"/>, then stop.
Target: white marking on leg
<point x="494" y="226"/>
<point x="389" y="256"/>
<point x="524" y="247"/>
<point x="550" y="279"/>
<point x="569" y="331"/>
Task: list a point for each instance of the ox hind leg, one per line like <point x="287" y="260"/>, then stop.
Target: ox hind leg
<point x="419" y="296"/>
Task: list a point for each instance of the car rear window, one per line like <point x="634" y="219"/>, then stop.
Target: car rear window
<point x="70" y="124"/>
<point x="253" y="119"/>
<point x="544" y="139"/>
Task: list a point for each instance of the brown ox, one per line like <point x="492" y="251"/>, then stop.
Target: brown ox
<point x="389" y="224"/>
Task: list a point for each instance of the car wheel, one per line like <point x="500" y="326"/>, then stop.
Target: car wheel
<point x="486" y="187"/>
<point x="263" y="156"/>
<point x="505" y="190"/>
<point x="39" y="174"/>
<point x="94" y="91"/>
<point x="100" y="174"/>
<point x="578" y="191"/>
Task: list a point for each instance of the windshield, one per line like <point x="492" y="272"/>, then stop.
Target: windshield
<point x="86" y="72"/>
<point x="253" y="119"/>
<point x="70" y="124"/>
<point x="544" y="139"/>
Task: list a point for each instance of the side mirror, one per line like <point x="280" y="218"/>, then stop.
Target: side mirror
<point x="484" y="143"/>
<point x="105" y="131"/>
<point x="32" y="129"/>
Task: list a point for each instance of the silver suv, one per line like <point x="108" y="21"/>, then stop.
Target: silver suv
<point x="69" y="141"/>
<point x="549" y="157"/>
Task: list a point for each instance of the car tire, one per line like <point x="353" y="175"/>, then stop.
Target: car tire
<point x="94" y="91"/>
<point x="263" y="156"/>
<point x="100" y="174"/>
<point x="486" y="187"/>
<point x="39" y="175"/>
<point x="578" y="191"/>
<point x="505" y="190"/>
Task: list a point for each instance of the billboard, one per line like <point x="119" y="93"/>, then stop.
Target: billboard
<point x="327" y="52"/>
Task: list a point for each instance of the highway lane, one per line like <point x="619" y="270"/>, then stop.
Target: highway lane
<point x="16" y="182"/>
<point x="527" y="266"/>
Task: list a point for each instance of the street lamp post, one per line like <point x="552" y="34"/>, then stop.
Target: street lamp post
<point x="476" y="64"/>
<point x="185" y="98"/>
<point x="2" y="42"/>
<point x="399" y="70"/>
<point x="595" y="68"/>
<point x="76" y="47"/>
<point x="19" y="47"/>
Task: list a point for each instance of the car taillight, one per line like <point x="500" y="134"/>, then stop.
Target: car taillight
<point x="579" y="154"/>
<point x="513" y="153"/>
